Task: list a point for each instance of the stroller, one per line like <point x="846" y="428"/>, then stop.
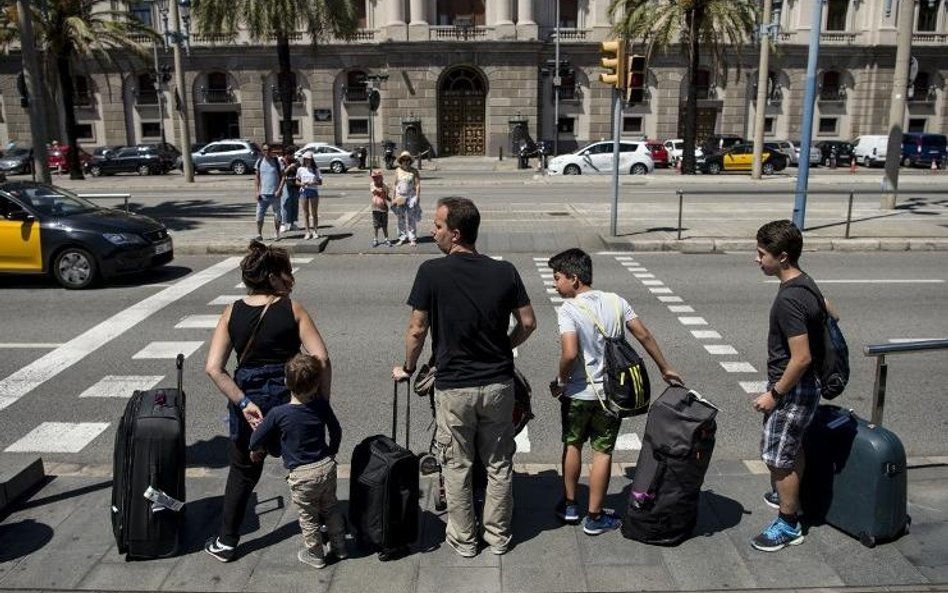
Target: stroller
<point x="429" y="464"/>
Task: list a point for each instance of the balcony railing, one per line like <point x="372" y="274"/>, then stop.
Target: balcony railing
<point x="146" y="97"/>
<point x="567" y="34"/>
<point x="83" y="98"/>
<point x="458" y="32"/>
<point x="356" y="94"/>
<point x="298" y="96"/>
<point x="930" y="38"/>
<point x="297" y="36"/>
<point x="571" y="94"/>
<point x="216" y="95"/>
<point x="211" y="38"/>
<point x="919" y="95"/>
<point x="363" y="35"/>
<point x="837" y="37"/>
<point x="832" y="95"/>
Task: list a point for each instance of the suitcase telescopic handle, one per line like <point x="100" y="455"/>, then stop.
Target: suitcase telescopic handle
<point x="395" y="412"/>
<point x="179" y="364"/>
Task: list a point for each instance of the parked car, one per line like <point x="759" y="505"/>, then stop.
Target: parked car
<point x="239" y="156"/>
<point x="870" y="150"/>
<point x="634" y="158"/>
<point x="57" y="161"/>
<point x="46" y="229"/>
<point x="786" y="147"/>
<point x="105" y="150"/>
<point x="144" y="159"/>
<point x="719" y="143"/>
<point x="18" y="160"/>
<point x="842" y="149"/>
<point x="329" y="157"/>
<point x="921" y="149"/>
<point x="659" y="154"/>
<point x="675" y="148"/>
<point x="816" y="155"/>
<point x="740" y="157"/>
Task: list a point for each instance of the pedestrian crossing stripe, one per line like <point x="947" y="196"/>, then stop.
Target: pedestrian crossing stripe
<point x="738" y="367"/>
<point x="301" y="260"/>
<point x="523" y="440"/>
<point x="198" y="322"/>
<point x="721" y="349"/>
<point x="754" y="386"/>
<point x="121" y="385"/>
<point x="168" y="349"/>
<point x="226" y="299"/>
<point x="58" y="437"/>
<point x="628" y="442"/>
<point x="670" y="299"/>
<point x="705" y="334"/>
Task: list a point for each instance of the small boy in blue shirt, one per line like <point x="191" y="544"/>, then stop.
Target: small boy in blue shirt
<point x="297" y="431"/>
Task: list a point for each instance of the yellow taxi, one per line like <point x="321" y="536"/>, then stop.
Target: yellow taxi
<point x="740" y="157"/>
<point x="46" y="229"/>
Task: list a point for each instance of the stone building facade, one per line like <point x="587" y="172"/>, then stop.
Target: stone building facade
<point x="459" y="75"/>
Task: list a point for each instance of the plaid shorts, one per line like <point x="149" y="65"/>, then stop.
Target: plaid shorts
<point x="785" y="427"/>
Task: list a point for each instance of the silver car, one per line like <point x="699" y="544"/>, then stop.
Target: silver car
<point x="816" y="155"/>
<point x="239" y="156"/>
<point x="329" y="157"/>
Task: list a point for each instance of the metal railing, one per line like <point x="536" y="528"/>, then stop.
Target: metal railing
<point x="123" y="197"/>
<point x="852" y="193"/>
<point x="882" y="368"/>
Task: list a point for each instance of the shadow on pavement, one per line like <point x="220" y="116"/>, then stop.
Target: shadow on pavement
<point x="23" y="538"/>
<point x="38" y="502"/>
<point x="184" y="215"/>
<point x="210" y="453"/>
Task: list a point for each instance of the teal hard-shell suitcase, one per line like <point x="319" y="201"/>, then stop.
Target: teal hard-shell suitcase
<point x="855" y="477"/>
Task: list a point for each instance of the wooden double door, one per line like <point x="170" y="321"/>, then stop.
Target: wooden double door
<point x="461" y="109"/>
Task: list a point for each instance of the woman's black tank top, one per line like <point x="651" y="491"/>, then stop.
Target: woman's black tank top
<point x="277" y="339"/>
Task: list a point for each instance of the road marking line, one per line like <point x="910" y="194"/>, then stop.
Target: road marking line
<point x="618" y="257"/>
<point x="301" y="260"/>
<point x="652" y="283"/>
<point x="557" y="299"/>
<point x="541" y="259"/>
<point x="628" y="442"/>
<point x="27" y="345"/>
<point x="738" y="367"/>
<point x="523" y="440"/>
<point x="121" y="385"/>
<point x="643" y="276"/>
<point x="754" y="386"/>
<point x="681" y="308"/>
<point x="706" y="334"/>
<point x="48" y="366"/>
<point x="670" y="299"/>
<point x="721" y="349"/>
<point x="198" y="321"/>
<point x="167" y="349"/>
<point x="58" y="437"/>
<point x="873" y="281"/>
<point x="692" y="321"/>
<point x="630" y="263"/>
<point x="904" y="340"/>
<point x="660" y="290"/>
<point x="227" y="299"/>
<point x="546" y="275"/>
<point x="635" y="270"/>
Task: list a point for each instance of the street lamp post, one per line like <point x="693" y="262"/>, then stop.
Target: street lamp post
<point x="763" y="77"/>
<point x="36" y="92"/>
<point x="556" y="83"/>
<point x="177" y="38"/>
<point x="374" y="98"/>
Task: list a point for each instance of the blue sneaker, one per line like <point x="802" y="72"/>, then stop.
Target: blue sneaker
<point x="567" y="511"/>
<point x="778" y="536"/>
<point x="601" y="524"/>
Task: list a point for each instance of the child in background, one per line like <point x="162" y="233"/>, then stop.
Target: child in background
<point x="381" y="196"/>
<point x="298" y="430"/>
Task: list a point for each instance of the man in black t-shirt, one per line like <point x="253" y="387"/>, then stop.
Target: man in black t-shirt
<point x="793" y="394"/>
<point x="466" y="299"/>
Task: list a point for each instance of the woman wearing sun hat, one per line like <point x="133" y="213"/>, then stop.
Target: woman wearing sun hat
<point x="308" y="179"/>
<point x="406" y="202"/>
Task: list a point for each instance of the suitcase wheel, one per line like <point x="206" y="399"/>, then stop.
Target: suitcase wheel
<point x="867" y="540"/>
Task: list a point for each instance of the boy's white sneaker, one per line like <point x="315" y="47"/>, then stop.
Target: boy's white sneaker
<point x="314" y="559"/>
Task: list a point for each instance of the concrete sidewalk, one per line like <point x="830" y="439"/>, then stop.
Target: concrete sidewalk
<point x="59" y="539"/>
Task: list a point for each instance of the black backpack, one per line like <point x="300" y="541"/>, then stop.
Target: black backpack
<point x="832" y="368"/>
<point x="625" y="385"/>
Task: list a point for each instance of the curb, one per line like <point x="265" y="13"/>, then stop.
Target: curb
<point x="19" y="477"/>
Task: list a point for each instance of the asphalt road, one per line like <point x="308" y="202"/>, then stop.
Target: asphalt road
<point x="359" y="306"/>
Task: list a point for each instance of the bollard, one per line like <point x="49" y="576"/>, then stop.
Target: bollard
<point x="849" y="212"/>
<point x="852" y="164"/>
<point x="934" y="165"/>
<point x="681" y="206"/>
<point x="500" y="155"/>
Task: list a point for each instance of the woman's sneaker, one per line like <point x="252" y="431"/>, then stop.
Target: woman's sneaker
<point x="567" y="511"/>
<point x="777" y="536"/>
<point x="601" y="524"/>
<point x="314" y="559"/>
<point x="215" y="548"/>
<point x="772" y="500"/>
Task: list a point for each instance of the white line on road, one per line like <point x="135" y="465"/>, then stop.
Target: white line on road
<point x="720" y="349"/>
<point x="905" y="340"/>
<point x="167" y="349"/>
<point x="523" y="440"/>
<point x="670" y="299"/>
<point x="227" y="299"/>
<point x="692" y="321"/>
<point x="59" y="437"/>
<point x="681" y="308"/>
<point x="121" y="385"/>
<point x="738" y="367"/>
<point x="706" y="334"/>
<point x="628" y="442"/>
<point x="198" y="322"/>
<point x="753" y="386"/>
<point x="27" y="345"/>
<point x="873" y="281"/>
<point x="660" y="290"/>
<point x="41" y="370"/>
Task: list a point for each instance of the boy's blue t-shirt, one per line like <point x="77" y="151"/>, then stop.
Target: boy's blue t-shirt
<point x="297" y="432"/>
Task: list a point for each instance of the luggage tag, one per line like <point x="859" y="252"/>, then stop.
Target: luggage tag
<point x="161" y="501"/>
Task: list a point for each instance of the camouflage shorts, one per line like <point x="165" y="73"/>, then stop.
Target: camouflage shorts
<point x="585" y="420"/>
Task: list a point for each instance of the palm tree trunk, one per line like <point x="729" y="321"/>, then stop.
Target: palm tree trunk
<point x="287" y="90"/>
<point x="688" y="164"/>
<point x="69" y="106"/>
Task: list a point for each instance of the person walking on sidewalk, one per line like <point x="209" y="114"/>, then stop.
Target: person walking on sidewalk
<point x="308" y="179"/>
<point x="267" y="329"/>
<point x="268" y="185"/>
<point x="578" y="383"/>
<point x="290" y="204"/>
<point x="406" y="204"/>
<point x="466" y="299"/>
<point x="297" y="431"/>
<point x="794" y="339"/>
<point x="381" y="197"/>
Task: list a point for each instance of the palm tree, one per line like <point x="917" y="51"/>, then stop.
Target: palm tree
<point x="720" y="26"/>
<point x="278" y="19"/>
<point x="72" y="30"/>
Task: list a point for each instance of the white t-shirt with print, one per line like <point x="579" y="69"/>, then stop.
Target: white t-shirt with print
<point x="613" y="312"/>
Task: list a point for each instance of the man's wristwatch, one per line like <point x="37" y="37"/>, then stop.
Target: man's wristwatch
<point x="243" y="403"/>
<point x="775" y="394"/>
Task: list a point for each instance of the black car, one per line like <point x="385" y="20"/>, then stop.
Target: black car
<point x="46" y="229"/>
<point x="843" y="151"/>
<point x="18" y="160"/>
<point x="144" y="159"/>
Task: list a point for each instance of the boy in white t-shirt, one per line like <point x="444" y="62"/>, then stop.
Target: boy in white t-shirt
<point x="578" y="382"/>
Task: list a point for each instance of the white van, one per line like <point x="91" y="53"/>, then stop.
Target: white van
<point x="870" y="150"/>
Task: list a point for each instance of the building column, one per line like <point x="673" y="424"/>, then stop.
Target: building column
<point x="527" y="28"/>
<point x="503" y="22"/>
<point x="418" y="26"/>
<point x="395" y="28"/>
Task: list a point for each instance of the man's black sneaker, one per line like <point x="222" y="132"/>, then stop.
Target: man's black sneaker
<point x="215" y="548"/>
<point x="772" y="500"/>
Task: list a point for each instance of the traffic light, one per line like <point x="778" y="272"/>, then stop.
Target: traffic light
<point x="613" y="61"/>
<point x="636" y="80"/>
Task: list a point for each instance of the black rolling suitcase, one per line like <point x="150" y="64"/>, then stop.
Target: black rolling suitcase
<point x="855" y="477"/>
<point x="676" y="451"/>
<point x="148" y="473"/>
<point x="384" y="492"/>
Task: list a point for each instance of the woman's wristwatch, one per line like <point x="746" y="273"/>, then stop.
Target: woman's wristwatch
<point x="244" y="402"/>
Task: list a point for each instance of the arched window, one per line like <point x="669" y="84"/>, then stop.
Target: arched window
<point x="218" y="90"/>
<point x="837" y="12"/>
<point x="703" y="84"/>
<point x="922" y="90"/>
<point x="82" y="94"/>
<point x="356" y="90"/>
<point x="146" y="92"/>
<point x="831" y="87"/>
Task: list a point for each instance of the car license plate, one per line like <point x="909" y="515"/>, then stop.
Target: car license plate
<point x="163" y="248"/>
